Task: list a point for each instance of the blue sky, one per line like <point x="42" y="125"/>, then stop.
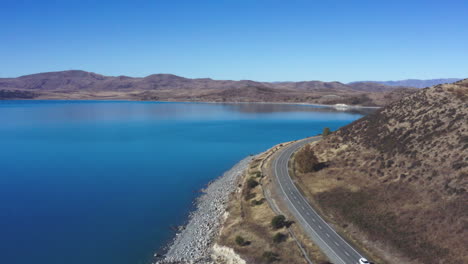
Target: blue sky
<point x="264" y="40"/>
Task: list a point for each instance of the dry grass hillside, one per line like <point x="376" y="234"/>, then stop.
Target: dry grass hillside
<point x="398" y="178"/>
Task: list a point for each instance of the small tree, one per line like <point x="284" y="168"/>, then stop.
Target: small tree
<point x="278" y="221"/>
<point x="326" y="131"/>
<point x="252" y="183"/>
<point x="258" y="202"/>
<point x="279" y="237"/>
<point x="240" y="241"/>
<point x="306" y="160"/>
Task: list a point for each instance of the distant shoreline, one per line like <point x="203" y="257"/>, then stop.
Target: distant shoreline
<point x="282" y="103"/>
<point x="348" y="107"/>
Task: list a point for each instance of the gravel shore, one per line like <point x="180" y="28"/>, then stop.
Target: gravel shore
<point x="194" y="243"/>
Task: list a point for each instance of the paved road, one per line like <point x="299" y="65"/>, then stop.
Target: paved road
<point x="335" y="247"/>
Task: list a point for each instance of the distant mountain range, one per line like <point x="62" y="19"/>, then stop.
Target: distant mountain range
<point x="76" y="84"/>
<point x="81" y="80"/>
<point x="413" y="82"/>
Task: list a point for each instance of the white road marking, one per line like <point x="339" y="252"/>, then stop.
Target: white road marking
<point x="281" y="186"/>
<point x="320" y="226"/>
<point x="336" y="243"/>
<point x="347" y="254"/>
<point x="308" y="205"/>
<point x="328" y="235"/>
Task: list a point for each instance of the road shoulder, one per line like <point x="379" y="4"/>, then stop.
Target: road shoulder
<point x="249" y="215"/>
<point x="347" y="231"/>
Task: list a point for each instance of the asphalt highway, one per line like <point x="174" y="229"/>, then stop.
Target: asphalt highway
<point x="333" y="245"/>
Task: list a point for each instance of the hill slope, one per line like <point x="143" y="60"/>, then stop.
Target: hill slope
<point x="413" y="82"/>
<point x="399" y="177"/>
<point x="374" y="86"/>
<point x="167" y="87"/>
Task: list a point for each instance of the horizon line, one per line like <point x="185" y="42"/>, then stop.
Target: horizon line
<point x="180" y="76"/>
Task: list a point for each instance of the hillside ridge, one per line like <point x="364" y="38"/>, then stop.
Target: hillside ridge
<point x="64" y="79"/>
<point x="415" y="83"/>
<point x="82" y="85"/>
<point x="399" y="173"/>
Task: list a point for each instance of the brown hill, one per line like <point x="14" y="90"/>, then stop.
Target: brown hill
<point x="399" y="177"/>
<point x="81" y="80"/>
<point x="373" y="87"/>
<point x="313" y="86"/>
<point x="167" y="87"/>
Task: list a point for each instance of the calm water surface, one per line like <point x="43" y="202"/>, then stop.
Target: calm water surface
<point x="101" y="182"/>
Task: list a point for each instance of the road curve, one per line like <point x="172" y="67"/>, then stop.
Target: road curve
<point x="332" y="244"/>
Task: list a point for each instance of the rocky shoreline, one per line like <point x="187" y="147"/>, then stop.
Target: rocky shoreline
<point x="195" y="242"/>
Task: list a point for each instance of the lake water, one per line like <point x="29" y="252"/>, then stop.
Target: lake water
<point x="86" y="182"/>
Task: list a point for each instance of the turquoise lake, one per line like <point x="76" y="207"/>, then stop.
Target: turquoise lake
<point x="92" y="182"/>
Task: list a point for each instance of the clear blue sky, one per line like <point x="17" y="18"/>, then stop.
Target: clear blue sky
<point x="265" y="40"/>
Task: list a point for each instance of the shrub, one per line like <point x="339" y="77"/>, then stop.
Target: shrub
<point x="258" y="202"/>
<point x="240" y="241"/>
<point x="279" y="237"/>
<point x="270" y="257"/>
<point x="326" y="131"/>
<point x="252" y="183"/>
<point x="249" y="195"/>
<point x="278" y="221"/>
<point x="306" y="160"/>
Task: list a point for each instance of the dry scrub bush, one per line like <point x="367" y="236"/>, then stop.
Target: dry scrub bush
<point x="306" y="160"/>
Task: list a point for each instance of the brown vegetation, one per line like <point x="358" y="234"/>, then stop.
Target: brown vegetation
<point x="326" y="131"/>
<point x="249" y="232"/>
<point x="306" y="160"/>
<point x="398" y="177"/>
<point x="250" y="218"/>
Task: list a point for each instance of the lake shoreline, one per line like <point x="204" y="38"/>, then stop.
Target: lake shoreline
<point x="348" y="107"/>
<point x="194" y="242"/>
